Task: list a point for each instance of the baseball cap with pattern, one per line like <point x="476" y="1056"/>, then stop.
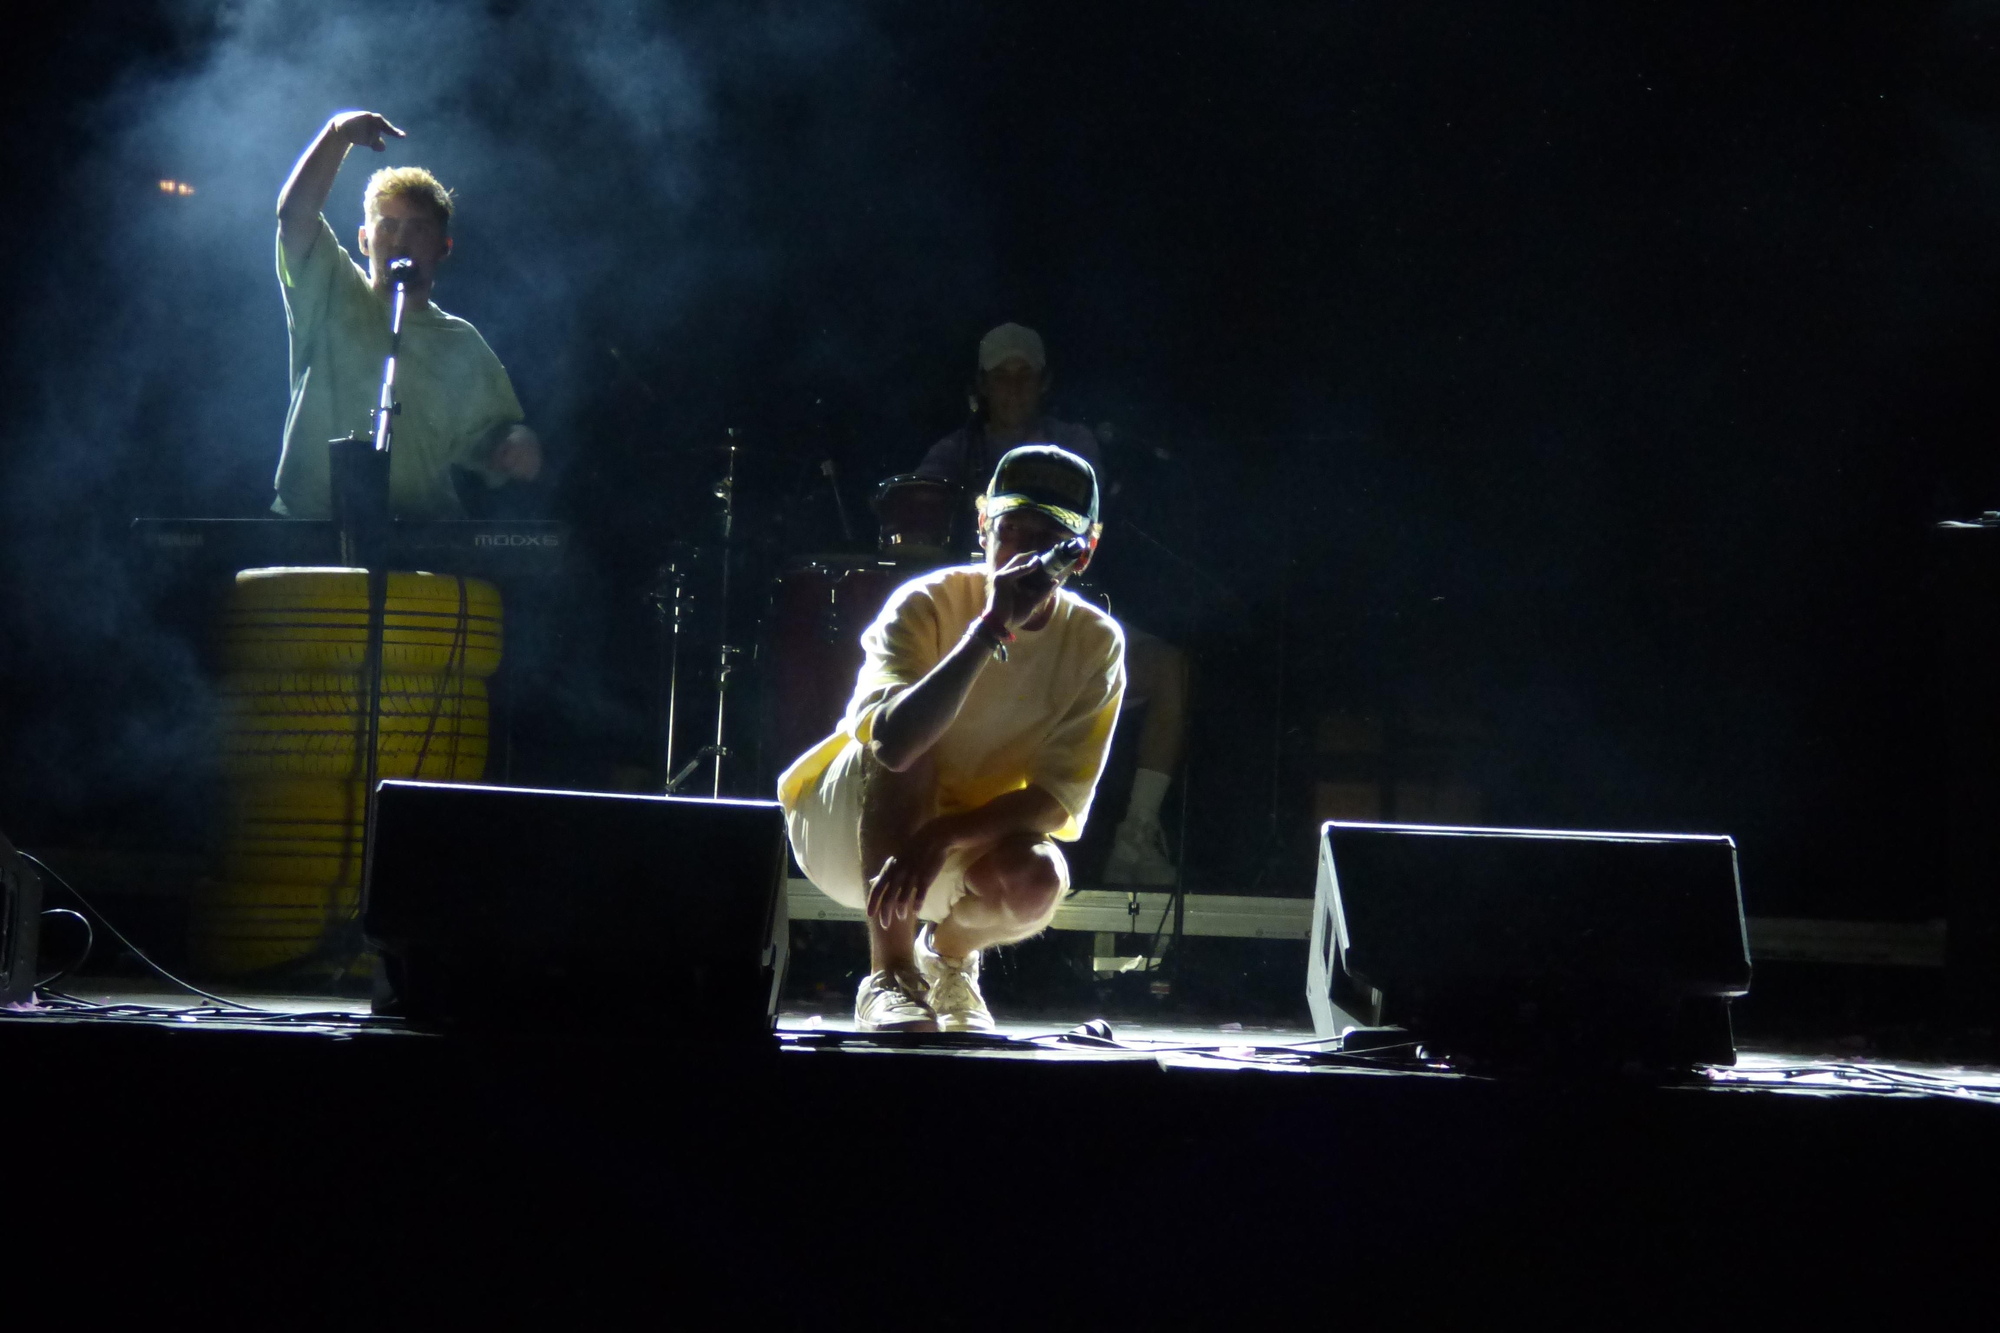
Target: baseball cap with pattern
<point x="1049" y="478"/>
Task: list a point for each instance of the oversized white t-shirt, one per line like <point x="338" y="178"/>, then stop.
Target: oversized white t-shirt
<point x="455" y="394"/>
<point x="1043" y="717"/>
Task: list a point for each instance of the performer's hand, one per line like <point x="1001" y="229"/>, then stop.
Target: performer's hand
<point x="1017" y="588"/>
<point x="517" y="454"/>
<point x="364" y="129"/>
<point x="898" y="891"/>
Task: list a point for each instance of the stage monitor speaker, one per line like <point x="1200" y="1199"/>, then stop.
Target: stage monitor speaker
<point x="1529" y="946"/>
<point x="509" y="908"/>
<point x="20" y="925"/>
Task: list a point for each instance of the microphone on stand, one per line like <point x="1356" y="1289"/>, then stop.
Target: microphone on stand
<point x="401" y="271"/>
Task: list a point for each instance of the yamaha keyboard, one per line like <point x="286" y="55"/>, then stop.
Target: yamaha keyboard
<point x="488" y="548"/>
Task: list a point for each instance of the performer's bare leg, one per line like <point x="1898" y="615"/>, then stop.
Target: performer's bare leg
<point x="1159" y="680"/>
<point x="892" y="806"/>
<point x="1010" y="894"/>
<point x="1159" y="676"/>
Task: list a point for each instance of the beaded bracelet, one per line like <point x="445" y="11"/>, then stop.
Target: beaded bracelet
<point x="994" y="630"/>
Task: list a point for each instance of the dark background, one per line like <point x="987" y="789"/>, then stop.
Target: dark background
<point x="1566" y="389"/>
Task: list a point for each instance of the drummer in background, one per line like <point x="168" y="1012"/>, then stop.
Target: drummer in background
<point x="1011" y="380"/>
<point x="1006" y="402"/>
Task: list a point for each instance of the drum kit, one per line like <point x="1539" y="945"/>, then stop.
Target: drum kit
<point x="806" y="645"/>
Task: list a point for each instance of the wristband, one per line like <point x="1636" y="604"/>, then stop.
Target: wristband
<point x="994" y="630"/>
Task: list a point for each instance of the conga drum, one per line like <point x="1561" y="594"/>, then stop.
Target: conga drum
<point x="819" y="606"/>
<point x="917" y="515"/>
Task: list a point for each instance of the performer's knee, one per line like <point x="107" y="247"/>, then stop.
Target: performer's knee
<point x="1157" y="665"/>
<point x="1153" y="667"/>
<point x="1027" y="875"/>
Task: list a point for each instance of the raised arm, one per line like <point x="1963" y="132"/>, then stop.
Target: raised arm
<point x="306" y="189"/>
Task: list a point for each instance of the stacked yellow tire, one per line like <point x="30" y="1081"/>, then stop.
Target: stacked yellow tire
<point x="294" y="722"/>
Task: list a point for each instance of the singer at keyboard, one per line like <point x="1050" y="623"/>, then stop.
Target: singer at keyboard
<point x="458" y="409"/>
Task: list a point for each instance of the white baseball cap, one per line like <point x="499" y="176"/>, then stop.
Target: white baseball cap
<point x="1009" y="341"/>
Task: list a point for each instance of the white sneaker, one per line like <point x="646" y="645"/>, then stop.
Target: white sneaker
<point x="954" y="987"/>
<point x="1139" y="856"/>
<point x="893" y="1002"/>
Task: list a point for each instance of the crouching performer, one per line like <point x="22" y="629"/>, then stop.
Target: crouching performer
<point x="973" y="742"/>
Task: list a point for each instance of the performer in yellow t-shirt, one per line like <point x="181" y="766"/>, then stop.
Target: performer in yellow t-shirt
<point x="974" y="740"/>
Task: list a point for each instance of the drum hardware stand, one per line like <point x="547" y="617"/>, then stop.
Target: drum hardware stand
<point x="687" y="769"/>
<point x="726" y="653"/>
<point x="839" y="501"/>
<point x="670" y="599"/>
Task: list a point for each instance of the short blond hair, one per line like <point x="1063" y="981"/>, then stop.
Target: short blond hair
<point x="408" y="183"/>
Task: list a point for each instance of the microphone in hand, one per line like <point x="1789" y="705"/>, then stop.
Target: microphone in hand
<point x="1059" y="559"/>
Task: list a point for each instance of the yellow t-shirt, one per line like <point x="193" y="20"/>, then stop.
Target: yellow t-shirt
<point x="1043" y="717"/>
<point x="455" y="394"/>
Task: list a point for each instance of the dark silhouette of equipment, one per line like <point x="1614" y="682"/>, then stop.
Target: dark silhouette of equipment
<point x="20" y="925"/>
<point x="1526" y="946"/>
<point x="502" y="907"/>
<point x="1964" y="587"/>
<point x="221" y="546"/>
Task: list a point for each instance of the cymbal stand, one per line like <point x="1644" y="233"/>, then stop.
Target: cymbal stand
<point x="726" y="652"/>
<point x="687" y="769"/>
<point x="671" y="607"/>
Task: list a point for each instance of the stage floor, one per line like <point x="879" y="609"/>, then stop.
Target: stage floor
<point x="1184" y="1043"/>
<point x="1186" y="1151"/>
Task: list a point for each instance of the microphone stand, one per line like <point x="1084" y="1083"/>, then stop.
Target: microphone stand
<point x="360" y="477"/>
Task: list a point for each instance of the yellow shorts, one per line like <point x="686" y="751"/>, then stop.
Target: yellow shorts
<point x="825" y="828"/>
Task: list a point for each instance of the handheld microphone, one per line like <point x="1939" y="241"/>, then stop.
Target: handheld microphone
<point x="1055" y="562"/>
<point x="402" y="271"/>
<point x="1059" y="559"/>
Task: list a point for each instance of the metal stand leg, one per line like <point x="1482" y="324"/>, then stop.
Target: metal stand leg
<point x="669" y="597"/>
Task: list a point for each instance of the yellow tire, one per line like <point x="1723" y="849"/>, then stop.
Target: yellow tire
<point x="292" y="737"/>
<point x="240" y="927"/>
<point x="317" y="620"/>
<point x="278" y="863"/>
<point x="300" y="800"/>
<point x="442" y="757"/>
<point x="313" y="725"/>
<point x="289" y="694"/>
<point x="295" y="832"/>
